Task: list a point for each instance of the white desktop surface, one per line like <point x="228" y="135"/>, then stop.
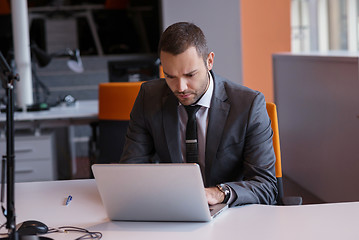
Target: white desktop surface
<point x="45" y="201"/>
<point x="84" y="109"/>
<point x="83" y="112"/>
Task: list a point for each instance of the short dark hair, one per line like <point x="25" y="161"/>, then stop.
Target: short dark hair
<point x="178" y="37"/>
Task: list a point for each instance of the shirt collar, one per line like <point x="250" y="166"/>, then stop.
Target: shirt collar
<point x="205" y="100"/>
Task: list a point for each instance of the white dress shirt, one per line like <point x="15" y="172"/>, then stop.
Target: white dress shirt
<point x="202" y="123"/>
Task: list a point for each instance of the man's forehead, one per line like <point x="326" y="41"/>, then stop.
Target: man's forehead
<point x="190" y="48"/>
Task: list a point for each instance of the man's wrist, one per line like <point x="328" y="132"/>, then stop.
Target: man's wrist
<point x="225" y="190"/>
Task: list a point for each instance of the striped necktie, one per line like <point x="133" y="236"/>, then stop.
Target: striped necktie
<point x="191" y="134"/>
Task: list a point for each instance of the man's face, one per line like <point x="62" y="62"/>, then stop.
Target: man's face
<point x="186" y="74"/>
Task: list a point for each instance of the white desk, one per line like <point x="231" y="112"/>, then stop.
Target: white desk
<point x="44" y="201"/>
<point x="83" y="112"/>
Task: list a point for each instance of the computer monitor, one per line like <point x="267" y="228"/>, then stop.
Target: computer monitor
<point x="142" y="68"/>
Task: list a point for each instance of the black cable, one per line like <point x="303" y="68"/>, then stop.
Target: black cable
<point x="88" y="234"/>
<point x="1" y="226"/>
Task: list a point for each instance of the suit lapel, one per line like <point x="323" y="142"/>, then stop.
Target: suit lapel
<point x="218" y="114"/>
<point x="171" y="127"/>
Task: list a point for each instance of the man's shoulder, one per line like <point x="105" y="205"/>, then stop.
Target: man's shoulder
<point x="158" y="83"/>
<point x="234" y="89"/>
<point x="155" y="87"/>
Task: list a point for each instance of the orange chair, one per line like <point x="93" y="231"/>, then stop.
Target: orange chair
<point x="272" y="113"/>
<point x="116" y="100"/>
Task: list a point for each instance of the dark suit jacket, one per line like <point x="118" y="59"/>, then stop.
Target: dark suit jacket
<point x="239" y="149"/>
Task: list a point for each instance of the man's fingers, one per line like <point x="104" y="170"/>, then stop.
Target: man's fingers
<point x="214" y="195"/>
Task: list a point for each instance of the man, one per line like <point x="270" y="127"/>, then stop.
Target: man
<point x="234" y="147"/>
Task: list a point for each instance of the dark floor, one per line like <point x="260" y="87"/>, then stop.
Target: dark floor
<point x="290" y="187"/>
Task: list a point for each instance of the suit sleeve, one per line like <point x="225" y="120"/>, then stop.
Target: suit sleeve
<point x="258" y="183"/>
<point x="139" y="143"/>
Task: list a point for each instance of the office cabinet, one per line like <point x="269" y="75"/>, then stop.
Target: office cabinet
<point x="34" y="157"/>
<point x="318" y="110"/>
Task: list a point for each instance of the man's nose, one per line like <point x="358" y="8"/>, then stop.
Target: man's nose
<point x="182" y="85"/>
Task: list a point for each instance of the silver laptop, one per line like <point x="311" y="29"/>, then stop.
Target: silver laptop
<point x="154" y="192"/>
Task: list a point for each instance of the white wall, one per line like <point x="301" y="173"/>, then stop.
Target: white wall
<point x="220" y="22"/>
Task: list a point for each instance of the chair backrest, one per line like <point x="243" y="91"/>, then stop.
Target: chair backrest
<point x="116" y="99"/>
<point x="272" y="113"/>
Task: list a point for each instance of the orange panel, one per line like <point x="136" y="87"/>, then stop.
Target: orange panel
<point x="265" y="29"/>
<point x="4" y="7"/>
<point x="116" y="99"/>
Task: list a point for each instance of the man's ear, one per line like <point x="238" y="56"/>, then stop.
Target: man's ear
<point x="210" y="60"/>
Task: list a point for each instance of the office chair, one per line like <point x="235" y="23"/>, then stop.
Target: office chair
<point x="116" y="100"/>
<point x="115" y="104"/>
<point x="281" y="199"/>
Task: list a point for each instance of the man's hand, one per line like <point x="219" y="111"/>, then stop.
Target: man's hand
<point x="214" y="195"/>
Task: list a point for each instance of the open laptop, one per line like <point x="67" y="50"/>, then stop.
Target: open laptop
<point x="154" y="192"/>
